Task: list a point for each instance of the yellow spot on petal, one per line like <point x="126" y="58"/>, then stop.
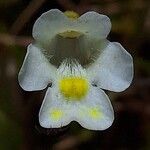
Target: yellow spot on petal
<point x="56" y="114"/>
<point x="73" y="87"/>
<point x="70" y="34"/>
<point x="94" y="113"/>
<point x="71" y="15"/>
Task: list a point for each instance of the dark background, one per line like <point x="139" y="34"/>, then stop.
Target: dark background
<point x="19" y="128"/>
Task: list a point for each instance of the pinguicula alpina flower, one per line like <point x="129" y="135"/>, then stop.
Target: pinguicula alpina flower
<point x="73" y="54"/>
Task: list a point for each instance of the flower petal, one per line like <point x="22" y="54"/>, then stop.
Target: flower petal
<point x="113" y="69"/>
<point x="96" y="25"/>
<point x="36" y="72"/>
<point x="96" y="112"/>
<point x="54" y="113"/>
<point x="47" y="26"/>
<point x="93" y="25"/>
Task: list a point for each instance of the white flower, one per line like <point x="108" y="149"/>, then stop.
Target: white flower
<point x="74" y="55"/>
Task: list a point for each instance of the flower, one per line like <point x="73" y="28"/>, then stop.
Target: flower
<point x="73" y="54"/>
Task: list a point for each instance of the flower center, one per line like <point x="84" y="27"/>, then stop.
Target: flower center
<point x="70" y="34"/>
<point x="71" y="15"/>
<point x="73" y="87"/>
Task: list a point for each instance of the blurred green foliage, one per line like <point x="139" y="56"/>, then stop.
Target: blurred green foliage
<point x="10" y="136"/>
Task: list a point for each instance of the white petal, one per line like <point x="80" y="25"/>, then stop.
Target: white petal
<point x="96" y="25"/>
<point x="113" y="70"/>
<point x="57" y="112"/>
<point x="96" y="112"/>
<point x="49" y="24"/>
<point x="36" y="72"/>
<point x="54" y="113"/>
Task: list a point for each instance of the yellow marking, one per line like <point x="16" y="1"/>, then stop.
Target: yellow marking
<point x="73" y="87"/>
<point x="71" y="15"/>
<point x="94" y="113"/>
<point x="56" y="114"/>
<point x="70" y="34"/>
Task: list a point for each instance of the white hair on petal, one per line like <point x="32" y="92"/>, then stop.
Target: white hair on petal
<point x="71" y="67"/>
